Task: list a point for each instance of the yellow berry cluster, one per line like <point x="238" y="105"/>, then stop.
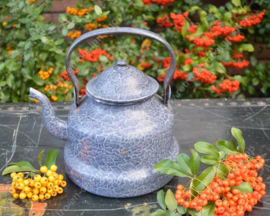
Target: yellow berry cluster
<point x="78" y="12"/>
<point x="31" y="1"/>
<point x="50" y="87"/>
<point x="9" y="48"/>
<point x="91" y="26"/>
<point x="74" y="35"/>
<point x="39" y="188"/>
<point x="54" y="98"/>
<point x="45" y="74"/>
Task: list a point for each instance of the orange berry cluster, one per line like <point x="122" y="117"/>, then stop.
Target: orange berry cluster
<point x="50" y="87"/>
<point x="226" y="85"/>
<point x="101" y="19"/>
<point x="82" y="12"/>
<point x="38" y="188"/>
<point x="146" y="65"/>
<point x="188" y="61"/>
<point x="177" y="75"/>
<point x="91" y="26"/>
<point x="203" y="75"/>
<point x="65" y="76"/>
<point x="202" y="42"/>
<point x="147" y="2"/>
<point x="163" y="2"/>
<point x="54" y="98"/>
<point x="179" y="20"/>
<point x="192" y="29"/>
<point x="74" y="35"/>
<point x="164" y="22"/>
<point x="45" y="74"/>
<point x="9" y="48"/>
<point x="252" y="19"/>
<point x="229" y="201"/>
<point x="201" y="54"/>
<point x="238" y="65"/>
<point x="237" y="38"/>
<point x="31" y="1"/>
<point x="237" y="55"/>
<point x="221" y="30"/>
<point x="4" y="24"/>
<point x="93" y="55"/>
<point x="166" y="62"/>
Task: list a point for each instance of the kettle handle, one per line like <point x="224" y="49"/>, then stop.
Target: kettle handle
<point x="119" y="31"/>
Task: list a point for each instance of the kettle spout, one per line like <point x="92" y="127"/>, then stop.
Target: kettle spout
<point x="55" y="126"/>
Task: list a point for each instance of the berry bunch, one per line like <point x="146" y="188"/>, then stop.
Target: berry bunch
<point x="229" y="201"/>
<point x="166" y="62"/>
<point x="164" y="22"/>
<point x="221" y="30"/>
<point x="78" y="12"/>
<point x="177" y="75"/>
<point x="252" y="19"/>
<point x="237" y="38"/>
<point x="101" y="19"/>
<point x="238" y="65"/>
<point x="65" y="76"/>
<point x="203" y="75"/>
<point x="93" y="55"/>
<point x="226" y="85"/>
<point x="146" y="65"/>
<point x="188" y="61"/>
<point x="38" y="188"/>
<point x="192" y="29"/>
<point x="31" y="1"/>
<point x="45" y="74"/>
<point x="201" y="54"/>
<point x="179" y="20"/>
<point x="163" y="2"/>
<point x="201" y="42"/>
<point x="147" y="2"/>
<point x="90" y="26"/>
<point x="237" y="55"/>
<point x="74" y="35"/>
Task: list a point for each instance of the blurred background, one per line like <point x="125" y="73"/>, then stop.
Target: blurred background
<point x="222" y="47"/>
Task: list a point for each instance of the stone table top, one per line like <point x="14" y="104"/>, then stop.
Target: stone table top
<point x="23" y="136"/>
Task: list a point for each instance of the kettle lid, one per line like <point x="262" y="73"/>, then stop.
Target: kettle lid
<point x="121" y="84"/>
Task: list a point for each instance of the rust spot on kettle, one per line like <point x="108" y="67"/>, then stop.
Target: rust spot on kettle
<point x="123" y="152"/>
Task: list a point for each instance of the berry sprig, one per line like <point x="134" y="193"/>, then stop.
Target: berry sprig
<point x="38" y="188"/>
<point x="230" y="187"/>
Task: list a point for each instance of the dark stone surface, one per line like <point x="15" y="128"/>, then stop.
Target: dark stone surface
<point x="23" y="136"/>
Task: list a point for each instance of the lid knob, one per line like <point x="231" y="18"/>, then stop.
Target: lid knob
<point x="121" y="63"/>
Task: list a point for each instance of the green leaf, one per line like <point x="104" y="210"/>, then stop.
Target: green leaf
<point x="205" y="178"/>
<point x="27" y="45"/>
<point x="237" y="3"/>
<point x="210" y="159"/>
<point x="21" y="4"/>
<point x="207" y="210"/>
<point x="198" y="32"/>
<point x="37" y="79"/>
<point x="222" y="171"/>
<point x="253" y="60"/>
<point x="227" y="16"/>
<point x="184" y="30"/>
<point x="22" y="163"/>
<point x="158" y="212"/>
<point x="64" y="31"/>
<point x="44" y="39"/>
<point x="170" y="200"/>
<point x="103" y="58"/>
<point x="169" y="167"/>
<point x="183" y="160"/>
<point x="213" y="9"/>
<point x="206" y="148"/>
<point x="2" y="66"/>
<point x="170" y="213"/>
<point x="10" y="80"/>
<point x="203" y="18"/>
<point x="2" y="83"/>
<point x="181" y="209"/>
<point x="40" y="157"/>
<point x="51" y="158"/>
<point x="243" y="80"/>
<point x="59" y="41"/>
<point x="237" y="134"/>
<point x="98" y="10"/>
<point x="15" y="168"/>
<point x="245" y="47"/>
<point x="161" y="199"/>
<point x="70" y="25"/>
<point x="244" y="187"/>
<point x="194" y="162"/>
<point x="194" y="8"/>
<point x="225" y="146"/>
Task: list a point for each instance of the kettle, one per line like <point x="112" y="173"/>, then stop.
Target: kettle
<point x="120" y="129"/>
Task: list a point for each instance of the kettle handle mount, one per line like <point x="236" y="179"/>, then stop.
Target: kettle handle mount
<point x="120" y="31"/>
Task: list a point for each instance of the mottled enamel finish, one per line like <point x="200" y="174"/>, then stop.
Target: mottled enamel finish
<point x="112" y="149"/>
<point x="120" y="130"/>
